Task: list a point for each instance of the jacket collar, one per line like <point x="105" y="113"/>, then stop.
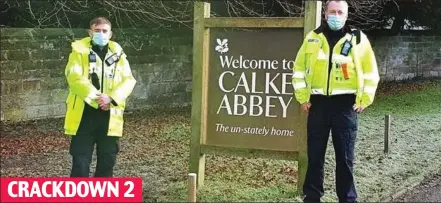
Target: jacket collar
<point x="324" y="27"/>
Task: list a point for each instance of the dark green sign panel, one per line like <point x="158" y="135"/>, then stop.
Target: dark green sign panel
<point x="250" y="96"/>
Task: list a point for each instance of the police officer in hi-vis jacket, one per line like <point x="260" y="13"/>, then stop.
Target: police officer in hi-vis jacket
<point x="99" y="80"/>
<point x="335" y="77"/>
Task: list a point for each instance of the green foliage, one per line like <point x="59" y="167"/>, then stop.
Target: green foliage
<point x="427" y="100"/>
<point x="425" y="13"/>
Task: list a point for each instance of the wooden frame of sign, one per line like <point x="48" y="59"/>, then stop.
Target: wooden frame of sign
<point x="243" y="102"/>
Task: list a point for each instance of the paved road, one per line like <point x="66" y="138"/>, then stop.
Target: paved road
<point x="429" y="191"/>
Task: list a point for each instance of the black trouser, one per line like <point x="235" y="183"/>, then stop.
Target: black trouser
<point x="93" y="130"/>
<point x="335" y="114"/>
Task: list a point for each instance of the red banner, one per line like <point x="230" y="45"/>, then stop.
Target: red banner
<point x="71" y="190"/>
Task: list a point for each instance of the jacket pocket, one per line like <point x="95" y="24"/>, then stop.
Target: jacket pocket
<point x="71" y="101"/>
<point x="74" y="102"/>
<point x="319" y="67"/>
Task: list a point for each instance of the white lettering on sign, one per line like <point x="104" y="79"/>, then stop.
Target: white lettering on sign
<point x="257" y="102"/>
<point x="252" y="87"/>
<point x="248" y="64"/>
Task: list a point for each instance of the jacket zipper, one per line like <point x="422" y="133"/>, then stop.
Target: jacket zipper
<point x="102" y="77"/>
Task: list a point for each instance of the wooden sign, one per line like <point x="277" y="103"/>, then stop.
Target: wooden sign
<point x="243" y="100"/>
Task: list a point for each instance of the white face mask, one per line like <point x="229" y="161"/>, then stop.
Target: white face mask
<point x="335" y="22"/>
<point x="99" y="39"/>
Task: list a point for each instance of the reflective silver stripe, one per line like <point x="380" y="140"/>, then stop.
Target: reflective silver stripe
<point x="92" y="96"/>
<point x="338" y="58"/>
<point x="343" y="91"/>
<point x="369" y="89"/>
<point x="371" y="76"/>
<point x="116" y="111"/>
<point x="321" y="55"/>
<point x="299" y="85"/>
<point x="88" y="100"/>
<point x="298" y="75"/>
<point x="317" y="91"/>
<point x="77" y="69"/>
<point x="118" y="95"/>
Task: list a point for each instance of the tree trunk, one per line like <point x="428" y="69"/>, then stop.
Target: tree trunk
<point x="398" y="24"/>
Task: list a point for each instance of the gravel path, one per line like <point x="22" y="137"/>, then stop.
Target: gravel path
<point x="429" y="191"/>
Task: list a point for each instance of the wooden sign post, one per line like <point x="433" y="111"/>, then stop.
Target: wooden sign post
<point x="243" y="99"/>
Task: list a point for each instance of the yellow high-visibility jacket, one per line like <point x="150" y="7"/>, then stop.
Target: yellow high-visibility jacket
<point x="310" y="72"/>
<point x="118" y="82"/>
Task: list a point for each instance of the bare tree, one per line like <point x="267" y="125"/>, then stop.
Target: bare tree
<point x="368" y="14"/>
<point x="76" y="13"/>
<point x="135" y="13"/>
<point x="365" y="14"/>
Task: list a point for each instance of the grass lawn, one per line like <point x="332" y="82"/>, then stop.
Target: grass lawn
<point x="156" y="147"/>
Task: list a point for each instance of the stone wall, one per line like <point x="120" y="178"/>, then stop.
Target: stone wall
<point x="32" y="63"/>
<point x="408" y="56"/>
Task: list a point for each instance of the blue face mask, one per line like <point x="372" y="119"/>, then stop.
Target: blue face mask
<point x="99" y="39"/>
<point x="335" y="22"/>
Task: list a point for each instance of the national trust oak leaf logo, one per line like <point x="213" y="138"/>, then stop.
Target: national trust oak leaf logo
<point x="222" y="46"/>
